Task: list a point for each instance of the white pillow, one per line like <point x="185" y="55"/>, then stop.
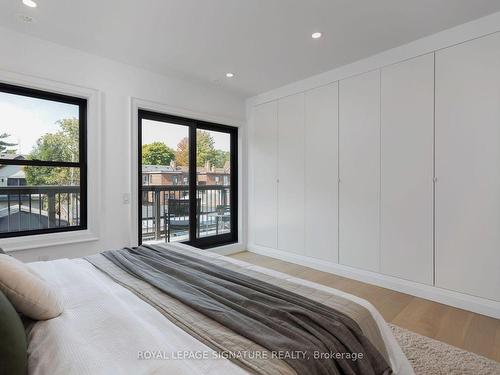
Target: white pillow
<point x="28" y="292"/>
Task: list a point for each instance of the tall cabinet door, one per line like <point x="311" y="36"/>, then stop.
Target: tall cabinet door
<point x="359" y="163"/>
<point x="291" y="173"/>
<point x="265" y="173"/>
<point x="321" y="172"/>
<point x="407" y="159"/>
<point x="468" y="167"/>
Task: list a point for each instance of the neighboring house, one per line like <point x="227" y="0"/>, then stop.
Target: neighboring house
<point x="12" y="175"/>
<point x="18" y="216"/>
<point x="164" y="175"/>
<point x="210" y="175"/>
<point x="168" y="175"/>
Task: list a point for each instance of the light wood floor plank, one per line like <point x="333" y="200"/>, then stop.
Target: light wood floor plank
<point x="481" y="335"/>
<point x="473" y="332"/>
<point x="454" y="326"/>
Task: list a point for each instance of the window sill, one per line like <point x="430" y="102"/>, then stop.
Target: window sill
<point x="46" y="240"/>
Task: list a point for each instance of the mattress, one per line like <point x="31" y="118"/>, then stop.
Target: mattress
<point x="105" y="327"/>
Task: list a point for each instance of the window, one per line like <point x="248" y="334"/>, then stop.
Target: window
<point x="42" y="162"/>
<point x="201" y="211"/>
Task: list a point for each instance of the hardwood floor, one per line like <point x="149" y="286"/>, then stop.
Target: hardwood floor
<point x="473" y="332"/>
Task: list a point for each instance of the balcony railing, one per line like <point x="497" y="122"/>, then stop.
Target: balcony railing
<point x="165" y="217"/>
<point x="26" y="208"/>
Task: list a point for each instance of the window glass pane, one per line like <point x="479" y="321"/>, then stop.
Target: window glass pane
<point x="34" y="198"/>
<point x="213" y="182"/>
<point x="38" y="129"/>
<point x="165" y="182"/>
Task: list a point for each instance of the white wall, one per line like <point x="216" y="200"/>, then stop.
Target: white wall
<point x="116" y="83"/>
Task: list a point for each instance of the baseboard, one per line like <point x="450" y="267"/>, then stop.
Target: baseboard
<point x="460" y="300"/>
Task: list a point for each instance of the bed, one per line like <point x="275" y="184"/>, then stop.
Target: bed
<point x="107" y="325"/>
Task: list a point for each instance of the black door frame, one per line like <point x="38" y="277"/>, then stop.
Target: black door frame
<point x="194" y="125"/>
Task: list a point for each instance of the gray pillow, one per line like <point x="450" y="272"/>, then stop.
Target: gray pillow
<point x="13" y="346"/>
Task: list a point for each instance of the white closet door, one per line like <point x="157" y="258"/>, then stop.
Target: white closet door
<point x="321" y="168"/>
<point x="265" y="173"/>
<point x="291" y="173"/>
<point x="359" y="161"/>
<point x="468" y="167"/>
<point x="407" y="148"/>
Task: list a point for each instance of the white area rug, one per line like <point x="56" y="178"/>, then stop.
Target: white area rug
<point x="432" y="357"/>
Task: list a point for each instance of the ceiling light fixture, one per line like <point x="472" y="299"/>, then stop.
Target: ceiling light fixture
<point x="30" y="3"/>
<point x="229" y="75"/>
<point x="316" y="35"/>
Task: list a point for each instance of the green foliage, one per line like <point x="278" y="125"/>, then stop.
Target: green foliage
<point x="219" y="158"/>
<point x="4" y="145"/>
<point x="205" y="151"/>
<point x="51" y="176"/>
<point x="204" y="147"/>
<point x="60" y="146"/>
<point x="157" y="153"/>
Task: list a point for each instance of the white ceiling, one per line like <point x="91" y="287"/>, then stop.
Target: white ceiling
<point x="266" y="43"/>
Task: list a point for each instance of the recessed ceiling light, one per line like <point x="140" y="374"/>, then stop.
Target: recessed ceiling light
<point x="229" y="75"/>
<point x="30" y="3"/>
<point x="316" y="35"/>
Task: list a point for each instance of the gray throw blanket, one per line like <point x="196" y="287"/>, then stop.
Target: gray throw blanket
<point x="277" y="319"/>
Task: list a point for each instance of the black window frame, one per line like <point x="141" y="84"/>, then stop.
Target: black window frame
<point x="194" y="125"/>
<point x="82" y="155"/>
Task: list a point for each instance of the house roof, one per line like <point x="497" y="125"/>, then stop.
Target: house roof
<point x="183" y="169"/>
<point x="19" y="174"/>
<point x="159" y="169"/>
<point x="8" y="156"/>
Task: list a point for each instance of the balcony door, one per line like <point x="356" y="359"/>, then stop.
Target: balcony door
<point x="187" y="181"/>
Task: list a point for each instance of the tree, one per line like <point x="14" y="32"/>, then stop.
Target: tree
<point x="182" y="153"/>
<point x="4" y="145"/>
<point x="205" y="151"/>
<point x="220" y="158"/>
<point x="204" y="148"/>
<point x="157" y="153"/>
<point x="60" y="146"/>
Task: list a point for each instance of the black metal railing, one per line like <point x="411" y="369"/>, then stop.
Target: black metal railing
<point x="164" y="218"/>
<point x="26" y="208"/>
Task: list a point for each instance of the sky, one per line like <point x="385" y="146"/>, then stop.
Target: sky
<point x="171" y="134"/>
<point x="27" y="119"/>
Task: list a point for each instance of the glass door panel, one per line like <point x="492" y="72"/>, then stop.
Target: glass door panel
<point x="164" y="163"/>
<point x="213" y="183"/>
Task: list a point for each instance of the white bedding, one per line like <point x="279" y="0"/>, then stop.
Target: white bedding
<point x="106" y="329"/>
